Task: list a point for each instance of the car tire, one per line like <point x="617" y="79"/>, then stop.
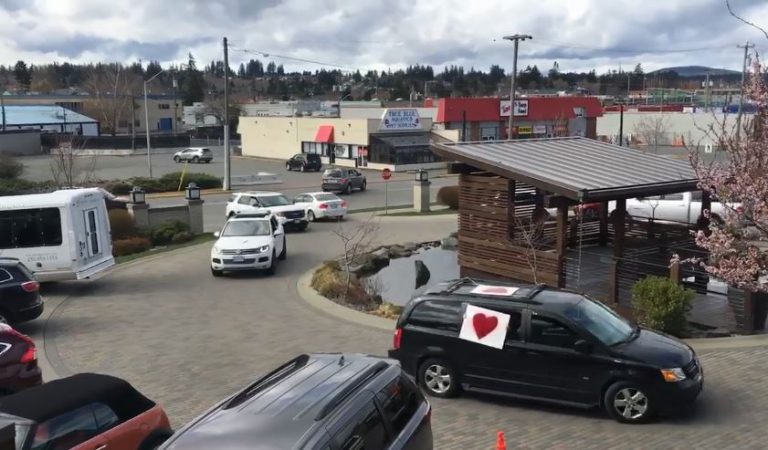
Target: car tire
<point x="5" y="317"/>
<point x="216" y="273"/>
<point x="284" y="253"/>
<point x="628" y="402"/>
<point x="195" y="159"/>
<point x="176" y="159"/>
<point x="287" y="167"/>
<point x="348" y="189"/>
<point x="155" y="439"/>
<point x="302" y="169"/>
<point x="303" y="226"/>
<point x="363" y="186"/>
<point x="272" y="265"/>
<point x="310" y="215"/>
<point x="438" y="378"/>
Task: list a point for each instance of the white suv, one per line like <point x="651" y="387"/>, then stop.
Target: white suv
<point x="248" y="242"/>
<point x="289" y="215"/>
<point x="194" y="154"/>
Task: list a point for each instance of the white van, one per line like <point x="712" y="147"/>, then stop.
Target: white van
<point x="62" y="235"/>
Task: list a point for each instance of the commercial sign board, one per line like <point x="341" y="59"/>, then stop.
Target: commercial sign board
<point x="539" y="129"/>
<point x="521" y="108"/>
<point x="524" y="130"/>
<point x="400" y="119"/>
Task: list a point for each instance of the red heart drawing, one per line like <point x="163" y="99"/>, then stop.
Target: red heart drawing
<point x="495" y="290"/>
<point x="484" y="324"/>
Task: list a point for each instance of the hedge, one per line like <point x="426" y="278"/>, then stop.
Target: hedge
<point x="122" y="247"/>
<point x="167" y="183"/>
<point x="10" y="167"/>
<point x="449" y="196"/>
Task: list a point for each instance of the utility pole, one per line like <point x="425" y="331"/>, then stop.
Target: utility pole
<point x="133" y="122"/>
<point x="227" y="171"/>
<point x="175" y="105"/>
<point x="746" y="48"/>
<point x="706" y="93"/>
<point x="2" y="106"/>
<point x="516" y="38"/>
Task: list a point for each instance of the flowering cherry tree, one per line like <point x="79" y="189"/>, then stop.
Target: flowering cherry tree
<point x="737" y="241"/>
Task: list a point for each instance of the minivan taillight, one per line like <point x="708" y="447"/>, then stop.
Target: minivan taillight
<point x="397" y="338"/>
<point x="30" y="355"/>
<point x="30" y="286"/>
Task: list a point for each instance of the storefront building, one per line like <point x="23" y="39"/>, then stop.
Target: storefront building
<point x="486" y="118"/>
<point x="399" y="139"/>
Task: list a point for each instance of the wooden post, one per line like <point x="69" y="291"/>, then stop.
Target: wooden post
<point x="603" y="224"/>
<point x="562" y="240"/>
<point x="618" y="247"/>
<point x="511" y="186"/>
<point x="674" y="272"/>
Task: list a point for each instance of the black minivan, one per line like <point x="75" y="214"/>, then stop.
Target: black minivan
<point x="560" y="347"/>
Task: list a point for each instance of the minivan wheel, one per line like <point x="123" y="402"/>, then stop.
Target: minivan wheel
<point x="5" y="318"/>
<point x="438" y="378"/>
<point x="627" y="402"/>
<point x="302" y="169"/>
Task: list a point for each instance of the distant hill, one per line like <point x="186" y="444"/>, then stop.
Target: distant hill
<point x="696" y="71"/>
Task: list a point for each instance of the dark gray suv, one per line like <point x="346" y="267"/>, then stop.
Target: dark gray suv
<point x="341" y="179"/>
<point x="321" y="401"/>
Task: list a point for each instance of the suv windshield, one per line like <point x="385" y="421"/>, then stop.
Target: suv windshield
<point x="335" y="173"/>
<point x="601" y="321"/>
<point x="246" y="228"/>
<point x="274" y="200"/>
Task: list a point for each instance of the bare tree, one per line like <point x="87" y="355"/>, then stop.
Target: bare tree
<point x="68" y="169"/>
<point x="652" y="131"/>
<point x="111" y="96"/>
<point x="356" y="239"/>
<point x="528" y="235"/>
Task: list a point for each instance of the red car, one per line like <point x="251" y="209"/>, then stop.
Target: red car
<point x="18" y="361"/>
<point x="84" y="412"/>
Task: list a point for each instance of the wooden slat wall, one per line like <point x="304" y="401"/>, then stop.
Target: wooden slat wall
<point x="508" y="260"/>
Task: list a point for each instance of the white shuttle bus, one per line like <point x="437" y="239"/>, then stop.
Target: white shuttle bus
<point x="62" y="235"/>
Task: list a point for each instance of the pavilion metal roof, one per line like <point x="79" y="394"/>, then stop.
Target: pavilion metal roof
<point x="578" y="168"/>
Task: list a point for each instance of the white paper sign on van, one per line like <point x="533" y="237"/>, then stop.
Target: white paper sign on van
<point x="484" y="326"/>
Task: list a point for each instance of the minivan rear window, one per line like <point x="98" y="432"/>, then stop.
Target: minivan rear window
<point x="435" y="314"/>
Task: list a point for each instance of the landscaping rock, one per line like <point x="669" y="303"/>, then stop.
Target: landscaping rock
<point x="368" y="264"/>
<point x="398" y="251"/>
<point x="422" y="274"/>
<point x="383" y="252"/>
<point x="449" y="243"/>
<point x="411" y="246"/>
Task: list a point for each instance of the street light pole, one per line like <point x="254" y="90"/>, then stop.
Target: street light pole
<point x="146" y="122"/>
<point x="516" y="38"/>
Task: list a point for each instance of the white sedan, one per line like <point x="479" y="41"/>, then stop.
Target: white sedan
<point x="318" y="205"/>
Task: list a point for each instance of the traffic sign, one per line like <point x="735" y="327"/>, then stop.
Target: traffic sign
<point x="386" y="174"/>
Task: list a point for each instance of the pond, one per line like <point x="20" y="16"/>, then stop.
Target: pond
<point x="398" y="280"/>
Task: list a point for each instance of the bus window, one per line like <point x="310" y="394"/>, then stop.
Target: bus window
<point x="25" y="228"/>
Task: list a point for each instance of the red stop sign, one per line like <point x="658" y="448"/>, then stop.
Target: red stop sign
<point x="386" y="174"/>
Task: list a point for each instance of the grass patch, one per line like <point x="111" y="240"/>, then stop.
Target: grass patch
<point x="199" y="239"/>
<point x="435" y="212"/>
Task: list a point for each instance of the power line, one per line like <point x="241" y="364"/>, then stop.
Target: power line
<point x="288" y="58"/>
<point x="627" y="50"/>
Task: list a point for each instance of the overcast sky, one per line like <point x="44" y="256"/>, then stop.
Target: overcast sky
<point x="377" y="34"/>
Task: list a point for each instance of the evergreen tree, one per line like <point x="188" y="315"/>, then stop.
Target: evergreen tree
<point x="22" y="74"/>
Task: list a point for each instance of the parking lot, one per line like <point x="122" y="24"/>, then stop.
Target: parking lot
<point x="188" y="340"/>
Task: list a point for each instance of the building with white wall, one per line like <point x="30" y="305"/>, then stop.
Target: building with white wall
<point x="48" y="118"/>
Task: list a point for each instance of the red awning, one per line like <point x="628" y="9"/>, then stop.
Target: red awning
<point x="324" y="134"/>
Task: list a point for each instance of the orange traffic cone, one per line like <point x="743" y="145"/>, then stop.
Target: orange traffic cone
<point x="500" y="444"/>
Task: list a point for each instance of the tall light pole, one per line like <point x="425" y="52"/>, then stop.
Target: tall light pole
<point x="338" y="104"/>
<point x="516" y="38"/>
<point x="227" y="166"/>
<point x="146" y="122"/>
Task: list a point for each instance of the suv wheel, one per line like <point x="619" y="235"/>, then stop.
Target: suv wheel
<point x="438" y="378"/>
<point x="215" y="273"/>
<point x="302" y="169"/>
<point x="177" y="159"/>
<point x="363" y="186"/>
<point x="348" y="188"/>
<point x="284" y="253"/>
<point x="195" y="159"/>
<point x="627" y="402"/>
<point x="272" y="264"/>
<point x="288" y="167"/>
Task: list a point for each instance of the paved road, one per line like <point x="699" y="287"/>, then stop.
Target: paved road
<point x="187" y="340"/>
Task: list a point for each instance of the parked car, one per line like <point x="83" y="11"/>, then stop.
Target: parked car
<point x="248" y="241"/>
<point x="20" y="299"/>
<point x="317" y="401"/>
<point x="343" y="180"/>
<point x="18" y="361"/>
<point x="194" y="154"/>
<point x="84" y="412"/>
<point x="289" y="215"/>
<point x="682" y="207"/>
<point x="318" y="205"/>
<point x="560" y="347"/>
<point x="304" y="162"/>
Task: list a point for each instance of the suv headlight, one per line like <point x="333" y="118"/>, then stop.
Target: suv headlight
<point x="673" y="375"/>
<point x="262" y="249"/>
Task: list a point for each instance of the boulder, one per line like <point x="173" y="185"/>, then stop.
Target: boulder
<point x="382" y="253"/>
<point x="422" y="274"/>
<point x="398" y="251"/>
<point x="368" y="264"/>
<point x="449" y="243"/>
<point x="411" y="246"/>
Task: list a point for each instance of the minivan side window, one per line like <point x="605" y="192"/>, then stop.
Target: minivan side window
<point x="435" y="314"/>
<point x="549" y="332"/>
<point x="399" y="401"/>
<point x="515" y="327"/>
<point x="366" y="432"/>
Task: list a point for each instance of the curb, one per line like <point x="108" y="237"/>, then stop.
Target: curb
<point x="309" y="295"/>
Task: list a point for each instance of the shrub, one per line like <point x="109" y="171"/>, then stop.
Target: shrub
<point x="122" y="247"/>
<point x="10" y="167"/>
<point x="117" y="187"/>
<point x="328" y="280"/>
<point x="449" y="196"/>
<point x="163" y="234"/>
<point x="202" y="180"/>
<point x="661" y="304"/>
<point x="181" y="237"/>
<point x="121" y="224"/>
<point x="18" y="186"/>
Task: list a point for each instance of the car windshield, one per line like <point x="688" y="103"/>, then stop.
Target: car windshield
<point x="601" y="321"/>
<point x="246" y="228"/>
<point x="274" y="200"/>
<point x="326" y="197"/>
<point x="332" y="173"/>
